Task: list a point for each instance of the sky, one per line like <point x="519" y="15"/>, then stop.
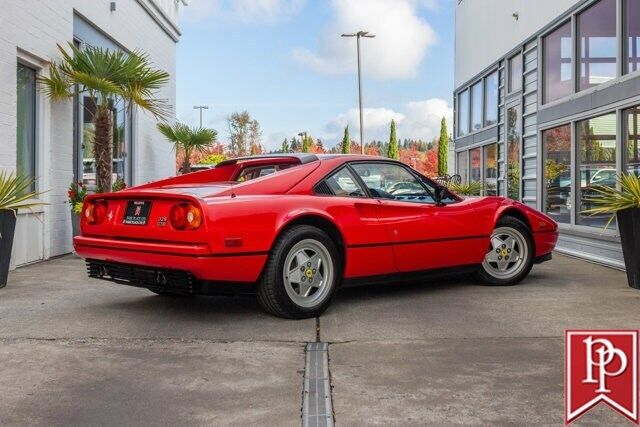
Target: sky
<point x="285" y="63"/>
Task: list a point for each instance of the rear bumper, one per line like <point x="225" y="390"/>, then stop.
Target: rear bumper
<point x="163" y="280"/>
<point x="240" y="267"/>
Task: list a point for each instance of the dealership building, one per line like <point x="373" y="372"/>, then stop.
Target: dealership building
<point x="547" y="105"/>
<point x="52" y="141"/>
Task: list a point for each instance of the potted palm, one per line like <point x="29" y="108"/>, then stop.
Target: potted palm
<point x="106" y="78"/>
<point x="187" y="139"/>
<point x="623" y="204"/>
<point x="14" y="195"/>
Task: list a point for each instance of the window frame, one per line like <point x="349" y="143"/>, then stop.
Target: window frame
<point x="354" y="176"/>
<point x="472" y="100"/>
<point x="510" y="89"/>
<point x="35" y="161"/>
<point x="577" y="49"/>
<point x="495" y="72"/>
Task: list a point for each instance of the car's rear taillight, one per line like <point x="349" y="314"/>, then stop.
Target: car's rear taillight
<point x="185" y="216"/>
<point x="95" y="211"/>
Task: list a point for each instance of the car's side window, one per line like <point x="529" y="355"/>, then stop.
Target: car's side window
<point x="391" y="181"/>
<point x="343" y="183"/>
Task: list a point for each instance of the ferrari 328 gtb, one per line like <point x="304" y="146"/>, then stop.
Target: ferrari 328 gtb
<point x="292" y="228"/>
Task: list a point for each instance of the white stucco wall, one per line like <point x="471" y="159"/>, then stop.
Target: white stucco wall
<point x="486" y="30"/>
<point x="29" y="32"/>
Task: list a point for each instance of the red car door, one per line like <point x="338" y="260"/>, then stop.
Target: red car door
<point x="422" y="235"/>
<point x="426" y="236"/>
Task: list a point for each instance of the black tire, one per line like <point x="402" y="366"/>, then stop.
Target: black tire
<point x="273" y="296"/>
<point x="483" y="275"/>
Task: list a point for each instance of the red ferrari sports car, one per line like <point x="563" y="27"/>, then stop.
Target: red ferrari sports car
<point x="294" y="227"/>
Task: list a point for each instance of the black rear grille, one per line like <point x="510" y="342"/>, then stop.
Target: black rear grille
<point x="158" y="279"/>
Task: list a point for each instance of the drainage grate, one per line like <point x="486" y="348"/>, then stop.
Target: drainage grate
<point x="316" y="404"/>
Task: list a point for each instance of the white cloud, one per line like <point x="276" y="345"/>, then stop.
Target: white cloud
<point x="402" y="39"/>
<point x="245" y="11"/>
<point x="416" y="120"/>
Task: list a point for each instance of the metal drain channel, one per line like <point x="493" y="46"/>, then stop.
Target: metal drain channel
<point x="316" y="403"/>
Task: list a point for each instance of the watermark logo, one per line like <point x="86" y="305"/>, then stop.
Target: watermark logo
<point x="601" y="366"/>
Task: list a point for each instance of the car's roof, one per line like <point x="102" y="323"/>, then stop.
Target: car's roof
<point x="302" y="158"/>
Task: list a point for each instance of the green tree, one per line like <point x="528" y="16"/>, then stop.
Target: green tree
<point x="307" y="143"/>
<point x="443" y="148"/>
<point x="392" y="152"/>
<point x="346" y="141"/>
<point x="187" y="139"/>
<point x="244" y="134"/>
<point x="107" y="78"/>
<point x="285" y="146"/>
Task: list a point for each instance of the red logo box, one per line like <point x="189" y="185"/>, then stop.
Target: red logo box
<point x="601" y="366"/>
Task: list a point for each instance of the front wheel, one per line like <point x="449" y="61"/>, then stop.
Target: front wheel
<point x="301" y="274"/>
<point x="510" y="254"/>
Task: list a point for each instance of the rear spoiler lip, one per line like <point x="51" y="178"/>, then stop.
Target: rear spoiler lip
<point x="137" y="194"/>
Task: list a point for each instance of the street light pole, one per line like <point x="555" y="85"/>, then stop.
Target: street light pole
<point x="358" y="35"/>
<point x="200" y="107"/>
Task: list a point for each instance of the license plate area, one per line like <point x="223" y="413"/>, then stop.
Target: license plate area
<point x="137" y="212"/>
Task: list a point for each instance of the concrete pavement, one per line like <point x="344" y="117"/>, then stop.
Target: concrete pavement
<point x="77" y="351"/>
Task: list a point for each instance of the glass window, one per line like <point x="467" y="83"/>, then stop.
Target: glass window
<point x="87" y="136"/>
<point x="513" y="153"/>
<point x="632" y="137"/>
<point x="515" y="73"/>
<point x="463" y="113"/>
<point x="597" y="157"/>
<point x="557" y="64"/>
<point x="557" y="173"/>
<point x="476" y="165"/>
<point x="632" y="29"/>
<point x="462" y="165"/>
<point x="26" y="123"/>
<point x="343" y="183"/>
<point x="490" y="169"/>
<point x="598" y="44"/>
<point x="491" y="100"/>
<point x="476" y="106"/>
<point x="392" y="181"/>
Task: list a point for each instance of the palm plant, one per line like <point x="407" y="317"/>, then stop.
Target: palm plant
<point x="187" y="140"/>
<point x="610" y="200"/>
<point x="15" y="194"/>
<point x="625" y="205"/>
<point x="108" y="78"/>
<point x="472" y="188"/>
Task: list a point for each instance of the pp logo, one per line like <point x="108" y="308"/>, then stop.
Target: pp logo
<point x="601" y="366"/>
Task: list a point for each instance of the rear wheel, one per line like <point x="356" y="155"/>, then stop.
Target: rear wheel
<point x="510" y="254"/>
<point x="301" y="274"/>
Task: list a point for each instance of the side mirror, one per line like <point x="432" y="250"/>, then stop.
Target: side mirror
<point x="440" y="193"/>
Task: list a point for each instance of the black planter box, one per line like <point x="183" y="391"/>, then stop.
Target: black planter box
<point x="7" y="231"/>
<point x="629" y="226"/>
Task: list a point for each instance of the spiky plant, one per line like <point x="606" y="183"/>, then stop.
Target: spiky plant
<point x="187" y="140"/>
<point x="108" y="78"/>
<point x="610" y="200"/>
<point x="15" y="194"/>
<point x="472" y="188"/>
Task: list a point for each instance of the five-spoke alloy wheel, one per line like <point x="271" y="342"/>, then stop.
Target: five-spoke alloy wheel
<point x="509" y="257"/>
<point x="301" y="273"/>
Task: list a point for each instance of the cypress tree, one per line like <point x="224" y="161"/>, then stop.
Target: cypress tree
<point x="346" y="141"/>
<point x="443" y="148"/>
<point x="392" y="152"/>
<point x="306" y="144"/>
